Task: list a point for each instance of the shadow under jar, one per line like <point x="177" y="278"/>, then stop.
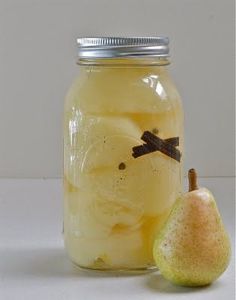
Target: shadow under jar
<point x="118" y="187"/>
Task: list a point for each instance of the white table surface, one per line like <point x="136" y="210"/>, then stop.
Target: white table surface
<point x="33" y="264"/>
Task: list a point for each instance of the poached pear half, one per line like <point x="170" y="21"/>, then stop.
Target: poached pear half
<point x="193" y="247"/>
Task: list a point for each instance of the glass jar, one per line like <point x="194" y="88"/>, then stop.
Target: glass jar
<point x="123" y="140"/>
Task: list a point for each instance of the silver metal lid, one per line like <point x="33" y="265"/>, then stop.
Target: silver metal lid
<point x="108" y="47"/>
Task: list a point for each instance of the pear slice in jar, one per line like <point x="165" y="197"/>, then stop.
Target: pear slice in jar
<point x="81" y="220"/>
<point x="165" y="124"/>
<point x="111" y="152"/>
<point x="116" y="214"/>
<point x="146" y="184"/>
<point x="90" y="216"/>
<point x="139" y="90"/>
<point x="164" y="186"/>
<point x="111" y="176"/>
<point x="83" y="132"/>
<point x="116" y="251"/>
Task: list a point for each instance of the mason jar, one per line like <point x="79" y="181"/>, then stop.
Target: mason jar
<point x="123" y="147"/>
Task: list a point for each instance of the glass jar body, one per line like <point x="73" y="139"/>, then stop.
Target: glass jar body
<point x="115" y="204"/>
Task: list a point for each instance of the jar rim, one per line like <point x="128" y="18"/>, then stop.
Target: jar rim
<point x="113" y="47"/>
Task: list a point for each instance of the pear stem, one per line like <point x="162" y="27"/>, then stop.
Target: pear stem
<point x="192" y="178"/>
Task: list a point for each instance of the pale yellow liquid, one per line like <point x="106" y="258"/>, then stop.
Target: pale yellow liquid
<point x="112" y="215"/>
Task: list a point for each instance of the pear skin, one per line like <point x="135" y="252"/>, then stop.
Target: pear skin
<point x="193" y="247"/>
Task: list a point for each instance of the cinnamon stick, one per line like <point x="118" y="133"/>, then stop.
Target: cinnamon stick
<point x="154" y="143"/>
<point x="174" y="141"/>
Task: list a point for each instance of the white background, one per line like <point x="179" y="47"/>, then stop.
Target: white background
<point x="37" y="65"/>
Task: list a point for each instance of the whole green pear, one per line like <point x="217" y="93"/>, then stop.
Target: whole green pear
<point x="193" y="247"/>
